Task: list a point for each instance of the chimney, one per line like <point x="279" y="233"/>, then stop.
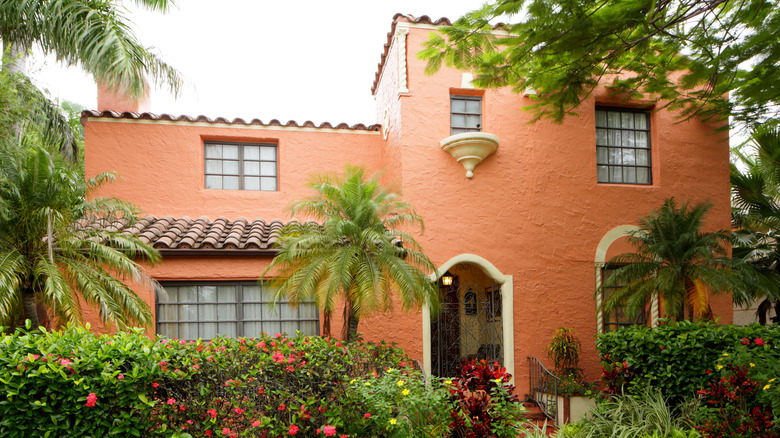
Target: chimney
<point x="116" y="100"/>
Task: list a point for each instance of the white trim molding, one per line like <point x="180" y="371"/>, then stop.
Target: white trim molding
<point x="601" y="260"/>
<point x="400" y="38"/>
<point x="507" y="309"/>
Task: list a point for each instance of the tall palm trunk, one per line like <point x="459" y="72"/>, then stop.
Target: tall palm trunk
<point x="14" y="57"/>
<point x="30" y="309"/>
<point x="351" y="320"/>
<point x="697" y="299"/>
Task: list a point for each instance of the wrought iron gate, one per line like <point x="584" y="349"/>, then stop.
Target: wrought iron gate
<point x="468" y="326"/>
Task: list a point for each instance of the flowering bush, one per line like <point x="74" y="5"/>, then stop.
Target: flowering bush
<point x="395" y="403"/>
<point x="673" y="357"/>
<point x="742" y="399"/>
<point x="76" y="383"/>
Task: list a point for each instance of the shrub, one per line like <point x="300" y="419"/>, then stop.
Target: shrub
<point x="673" y="357"/>
<point x="76" y="383"/>
<point x="484" y="404"/>
<point x="646" y="414"/>
<point x="742" y="399"/>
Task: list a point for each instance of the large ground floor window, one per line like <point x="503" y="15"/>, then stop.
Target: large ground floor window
<point x="233" y="309"/>
<point x="618" y="318"/>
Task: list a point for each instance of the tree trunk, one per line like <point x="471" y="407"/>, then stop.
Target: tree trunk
<point x="15" y="57"/>
<point x="30" y="309"/>
<point x="351" y="320"/>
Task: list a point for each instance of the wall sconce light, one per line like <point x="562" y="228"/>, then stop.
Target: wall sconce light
<point x="446" y="280"/>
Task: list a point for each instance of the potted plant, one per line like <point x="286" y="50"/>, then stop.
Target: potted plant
<point x="573" y="392"/>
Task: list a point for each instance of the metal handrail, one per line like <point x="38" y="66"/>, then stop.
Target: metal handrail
<point x="544" y="389"/>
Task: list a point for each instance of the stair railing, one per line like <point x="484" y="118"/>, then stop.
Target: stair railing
<point x="544" y="389"/>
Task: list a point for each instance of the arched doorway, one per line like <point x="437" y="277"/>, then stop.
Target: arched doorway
<point x="475" y="320"/>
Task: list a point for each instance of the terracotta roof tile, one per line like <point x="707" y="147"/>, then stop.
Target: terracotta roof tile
<point x="407" y="18"/>
<point x="221" y="120"/>
<point x="168" y="233"/>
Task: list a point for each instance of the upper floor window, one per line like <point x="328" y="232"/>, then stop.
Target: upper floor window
<point x="465" y="114"/>
<point x="241" y="166"/>
<point x="623" y="146"/>
<point x="205" y="310"/>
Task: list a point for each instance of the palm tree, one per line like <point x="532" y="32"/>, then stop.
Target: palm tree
<point x="49" y="261"/>
<point x="93" y="34"/>
<point x="677" y="262"/>
<point x="755" y="189"/>
<point x="359" y="253"/>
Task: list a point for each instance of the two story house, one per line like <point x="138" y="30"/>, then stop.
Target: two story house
<point x="520" y="217"/>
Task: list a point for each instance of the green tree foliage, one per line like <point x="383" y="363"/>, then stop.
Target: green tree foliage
<point x="360" y="253"/>
<point x="93" y="34"/>
<point x="755" y="189"/>
<point x="689" y="53"/>
<point x="677" y="262"/>
<point x="49" y="261"/>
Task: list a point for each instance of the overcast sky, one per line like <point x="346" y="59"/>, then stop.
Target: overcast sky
<point x="302" y="60"/>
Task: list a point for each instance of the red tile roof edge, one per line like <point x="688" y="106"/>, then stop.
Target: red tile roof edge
<point x="237" y="121"/>
<point x="408" y="18"/>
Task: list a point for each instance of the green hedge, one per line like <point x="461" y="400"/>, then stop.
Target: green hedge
<point x="674" y="357"/>
<point x="76" y="383"/>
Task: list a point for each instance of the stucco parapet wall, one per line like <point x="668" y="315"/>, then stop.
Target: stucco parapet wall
<point x="168" y="119"/>
<point x="200" y="235"/>
<point x="411" y="21"/>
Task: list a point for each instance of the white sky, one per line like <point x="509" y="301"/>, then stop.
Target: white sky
<point x="267" y="59"/>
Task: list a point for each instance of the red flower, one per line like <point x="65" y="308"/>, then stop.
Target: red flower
<point x="282" y="407"/>
<point x="171" y="401"/>
<point x="662" y="347"/>
<point x="155" y="384"/>
<point x="293" y="429"/>
<point x="120" y="377"/>
<point x="238" y="411"/>
<point x="208" y="432"/>
<point x="225" y="431"/>
<point x="744" y="341"/>
<point x="256" y="424"/>
<point x="367" y="415"/>
<point x="759" y="342"/>
<point x="91" y="400"/>
<point x="329" y="430"/>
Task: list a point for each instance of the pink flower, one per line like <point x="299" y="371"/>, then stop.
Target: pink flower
<point x="293" y="429"/>
<point x="91" y="400"/>
<point x="290" y="368"/>
<point x="367" y="415"/>
<point x="120" y="377"/>
<point x="34" y="357"/>
<point x="256" y="424"/>
<point x="278" y="335"/>
<point x="171" y="401"/>
<point x="65" y="362"/>
<point x="189" y="421"/>
<point x="260" y="390"/>
<point x="212" y="412"/>
<point x="329" y="430"/>
<point x="225" y="431"/>
<point x="282" y="407"/>
<point x="277" y="357"/>
<point x="238" y="411"/>
<point x="196" y="367"/>
<point x="759" y="342"/>
<point x="155" y="385"/>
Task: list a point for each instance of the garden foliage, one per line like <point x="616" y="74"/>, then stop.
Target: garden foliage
<point x="81" y="384"/>
<point x="674" y="357"/>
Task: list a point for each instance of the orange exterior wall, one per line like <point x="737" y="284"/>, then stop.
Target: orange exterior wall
<point x="533" y="209"/>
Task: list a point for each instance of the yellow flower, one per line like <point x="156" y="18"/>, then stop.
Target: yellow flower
<point x="720" y="367"/>
<point x="752" y="364"/>
<point x="725" y="354"/>
<point x="772" y="379"/>
<point x="353" y="381"/>
<point x="448" y="382"/>
<point x="405" y="392"/>
<point x="368" y="383"/>
<point x="766" y="386"/>
<point x="392" y="421"/>
<point x="400" y="383"/>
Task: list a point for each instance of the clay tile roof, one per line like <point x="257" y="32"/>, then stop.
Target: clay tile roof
<point x="220" y="120"/>
<point x="185" y="234"/>
<point x="407" y="18"/>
